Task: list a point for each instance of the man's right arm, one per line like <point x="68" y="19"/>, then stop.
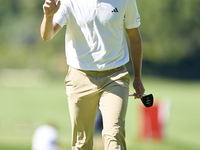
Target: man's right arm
<point x="48" y="27"/>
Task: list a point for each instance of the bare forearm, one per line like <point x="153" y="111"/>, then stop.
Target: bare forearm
<point x="136" y="57"/>
<point x="47" y="30"/>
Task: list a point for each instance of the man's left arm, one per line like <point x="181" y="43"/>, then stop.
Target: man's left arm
<point x="136" y="58"/>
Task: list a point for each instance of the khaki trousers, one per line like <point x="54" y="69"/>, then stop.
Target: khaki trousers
<point x="108" y="90"/>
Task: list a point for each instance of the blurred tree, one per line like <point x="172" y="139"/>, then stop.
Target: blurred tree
<point x="171" y="41"/>
<point x="169" y="29"/>
<point x="20" y="41"/>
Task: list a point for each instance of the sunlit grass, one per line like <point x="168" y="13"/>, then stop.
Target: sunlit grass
<point x="25" y="108"/>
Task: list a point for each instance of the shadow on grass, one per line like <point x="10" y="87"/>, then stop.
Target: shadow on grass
<point x="165" y="145"/>
<point x="181" y="145"/>
<point x="14" y="147"/>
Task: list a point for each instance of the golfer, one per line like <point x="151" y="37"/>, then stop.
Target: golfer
<point x="96" y="50"/>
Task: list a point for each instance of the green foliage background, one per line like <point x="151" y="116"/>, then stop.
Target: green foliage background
<point x="170" y="32"/>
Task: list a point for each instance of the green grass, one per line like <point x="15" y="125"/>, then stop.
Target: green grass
<point x="22" y="109"/>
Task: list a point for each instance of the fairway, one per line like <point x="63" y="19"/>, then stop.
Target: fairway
<point x="23" y="109"/>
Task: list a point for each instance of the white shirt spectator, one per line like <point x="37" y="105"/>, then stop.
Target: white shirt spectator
<point x="45" y="138"/>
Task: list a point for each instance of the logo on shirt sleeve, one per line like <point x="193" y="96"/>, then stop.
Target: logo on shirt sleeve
<point x="138" y="19"/>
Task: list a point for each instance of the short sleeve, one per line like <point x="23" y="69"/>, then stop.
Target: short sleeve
<point x="132" y="16"/>
<point x="61" y="16"/>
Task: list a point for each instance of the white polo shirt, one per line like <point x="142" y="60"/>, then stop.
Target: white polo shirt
<point x="95" y="38"/>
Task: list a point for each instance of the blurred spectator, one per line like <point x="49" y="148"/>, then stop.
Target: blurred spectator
<point x="98" y="143"/>
<point x="45" y="138"/>
<point x="98" y="122"/>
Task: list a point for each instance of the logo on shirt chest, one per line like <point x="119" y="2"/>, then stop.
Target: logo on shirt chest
<point x="105" y="14"/>
<point x="115" y="10"/>
<point x="109" y="14"/>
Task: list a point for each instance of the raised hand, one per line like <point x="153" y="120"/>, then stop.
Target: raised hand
<point x="50" y="7"/>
